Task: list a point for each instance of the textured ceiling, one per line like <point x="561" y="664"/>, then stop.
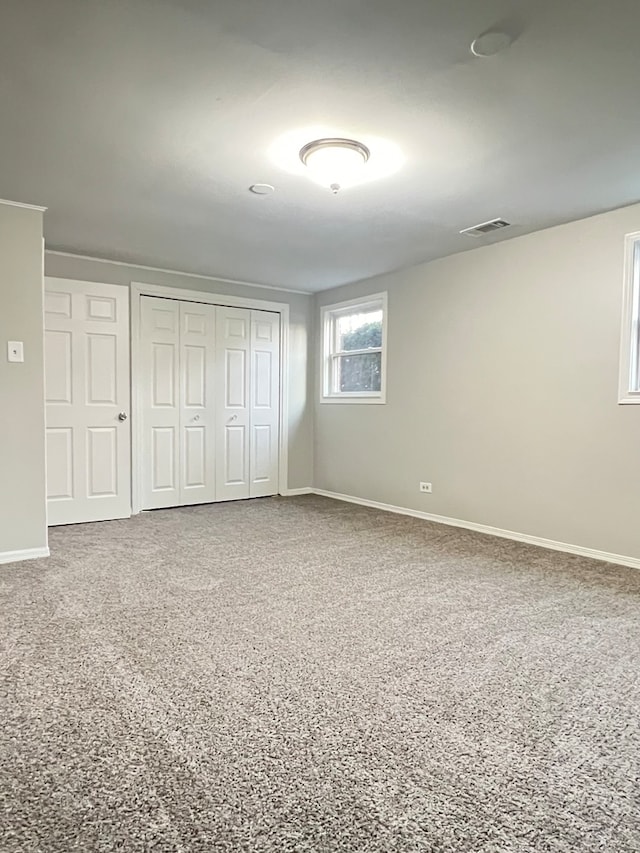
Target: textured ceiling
<point x="142" y="123"/>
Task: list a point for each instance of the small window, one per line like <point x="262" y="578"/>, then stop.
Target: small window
<point x="354" y="344"/>
<point x="630" y="341"/>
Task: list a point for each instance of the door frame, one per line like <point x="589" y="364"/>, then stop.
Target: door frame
<point x="138" y="290"/>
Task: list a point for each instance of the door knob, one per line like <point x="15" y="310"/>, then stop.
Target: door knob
<point x="122" y="416"/>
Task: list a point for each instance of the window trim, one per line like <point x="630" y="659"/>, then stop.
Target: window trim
<point x="328" y="357"/>
<point x="629" y="387"/>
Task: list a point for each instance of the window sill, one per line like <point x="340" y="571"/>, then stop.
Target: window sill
<point x="631" y="398"/>
<point x="375" y="401"/>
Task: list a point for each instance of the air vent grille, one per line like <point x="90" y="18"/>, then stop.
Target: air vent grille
<point x="486" y="228"/>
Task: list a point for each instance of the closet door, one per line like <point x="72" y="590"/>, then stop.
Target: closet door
<point x="233" y="330"/>
<point x="160" y="388"/>
<point x="197" y="402"/>
<point x="209" y="389"/>
<point x="265" y="400"/>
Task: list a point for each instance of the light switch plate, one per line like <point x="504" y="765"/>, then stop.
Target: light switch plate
<point x="15" y="351"/>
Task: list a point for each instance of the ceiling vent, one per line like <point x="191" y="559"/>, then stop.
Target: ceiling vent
<point x="486" y="228"/>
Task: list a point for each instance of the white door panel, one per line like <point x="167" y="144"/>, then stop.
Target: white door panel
<point x="59" y="463"/>
<point x="87" y="387"/>
<point x="56" y="302"/>
<point x="261" y="455"/>
<point x="163" y="456"/>
<point x="164" y="374"/>
<point x="235" y="384"/>
<point x="102" y="470"/>
<point x="195" y="371"/>
<point x="265" y="403"/>
<point x="58" y="382"/>
<point x="195" y="458"/>
<point x="101" y="308"/>
<point x="102" y="369"/>
<point x="235" y="473"/>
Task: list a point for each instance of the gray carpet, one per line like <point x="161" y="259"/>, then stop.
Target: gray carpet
<point x="301" y="674"/>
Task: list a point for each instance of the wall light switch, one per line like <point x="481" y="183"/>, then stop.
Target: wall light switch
<point x="15" y="351"/>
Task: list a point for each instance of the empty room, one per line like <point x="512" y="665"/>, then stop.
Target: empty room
<point x="319" y="426"/>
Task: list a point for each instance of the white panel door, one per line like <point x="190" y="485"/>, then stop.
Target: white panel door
<point x="159" y="390"/>
<point x="233" y="334"/>
<point x="265" y="403"/>
<point x="87" y="401"/>
<point x="197" y="398"/>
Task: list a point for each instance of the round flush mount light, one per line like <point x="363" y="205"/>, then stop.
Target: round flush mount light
<point x="334" y="156"/>
<point x="334" y="162"/>
<point x="488" y="44"/>
<point x="261" y="189"/>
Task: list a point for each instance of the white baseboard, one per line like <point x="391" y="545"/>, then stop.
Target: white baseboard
<point x="581" y="551"/>
<point x="26" y="554"/>
<point x="290" y="493"/>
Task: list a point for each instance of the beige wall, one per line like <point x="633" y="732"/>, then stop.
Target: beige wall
<point x="300" y="308"/>
<point x="23" y="523"/>
<point x="502" y="391"/>
<point x="503" y="367"/>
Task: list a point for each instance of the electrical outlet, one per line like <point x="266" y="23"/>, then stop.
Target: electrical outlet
<point x="426" y="488"/>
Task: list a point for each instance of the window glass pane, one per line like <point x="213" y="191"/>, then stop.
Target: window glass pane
<point x="359" y="331"/>
<point x="359" y="372"/>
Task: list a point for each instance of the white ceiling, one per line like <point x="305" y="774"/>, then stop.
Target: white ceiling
<point x="142" y="123"/>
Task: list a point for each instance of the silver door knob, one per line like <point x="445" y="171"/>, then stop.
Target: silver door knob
<point x="196" y="417"/>
<point x="122" y="416"/>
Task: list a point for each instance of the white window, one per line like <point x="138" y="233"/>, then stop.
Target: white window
<point x="354" y="336"/>
<point x="630" y="341"/>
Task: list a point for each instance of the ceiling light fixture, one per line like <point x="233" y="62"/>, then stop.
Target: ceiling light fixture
<point x="334" y="162"/>
<point x="362" y="158"/>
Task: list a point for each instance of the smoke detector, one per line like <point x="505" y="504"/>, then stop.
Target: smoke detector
<point x="261" y="189"/>
<point x="486" y="228"/>
<point x="488" y="44"/>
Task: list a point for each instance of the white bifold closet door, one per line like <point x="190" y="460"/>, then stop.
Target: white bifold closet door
<point x="178" y="381"/>
<point x="248" y="357"/>
<point x="197" y="403"/>
<point x="265" y="403"/>
<point x="234" y="377"/>
<point x="210" y="402"/>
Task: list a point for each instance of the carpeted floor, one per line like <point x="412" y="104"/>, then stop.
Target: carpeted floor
<point x="301" y="674"/>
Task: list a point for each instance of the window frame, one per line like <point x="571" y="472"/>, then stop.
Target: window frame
<point x="329" y="355"/>
<point x="629" y="387"/>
